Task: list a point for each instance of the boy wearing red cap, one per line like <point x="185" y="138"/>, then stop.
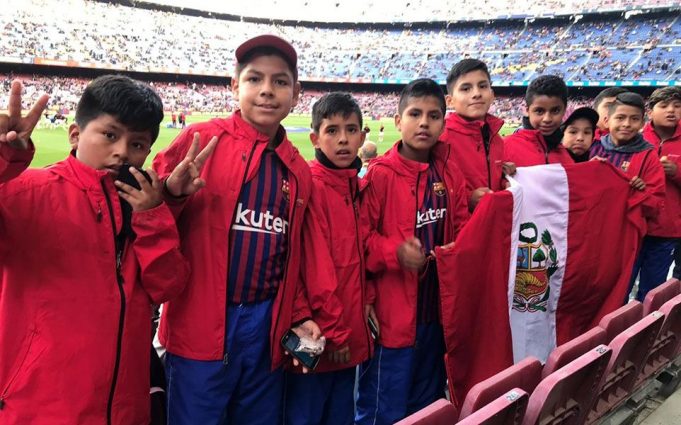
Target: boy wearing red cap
<point x="242" y="237"/>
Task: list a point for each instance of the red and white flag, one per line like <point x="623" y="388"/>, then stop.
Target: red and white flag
<point x="537" y="265"/>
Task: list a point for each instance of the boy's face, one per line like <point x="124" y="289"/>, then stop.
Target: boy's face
<point x="666" y="113"/>
<point x="624" y="124"/>
<point x="421" y="123"/>
<point x="471" y="96"/>
<point x="602" y="110"/>
<point x="266" y="91"/>
<point x="105" y="144"/>
<point x="339" y="139"/>
<point x="578" y="136"/>
<point x="546" y="113"/>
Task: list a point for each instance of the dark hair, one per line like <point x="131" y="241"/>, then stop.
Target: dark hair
<point x="628" y="99"/>
<point x="664" y="94"/>
<point x="546" y="85"/>
<point x="133" y="103"/>
<point x="264" y="51"/>
<point x="609" y="92"/>
<point x="421" y="88"/>
<point x="462" y="68"/>
<point x="335" y="103"/>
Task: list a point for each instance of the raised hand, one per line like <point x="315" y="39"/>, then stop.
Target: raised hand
<point x="185" y="180"/>
<point x="147" y="197"/>
<point x="16" y="130"/>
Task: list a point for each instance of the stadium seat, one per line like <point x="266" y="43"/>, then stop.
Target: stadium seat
<point x="622" y="318"/>
<point x="660" y="295"/>
<point x="509" y="409"/>
<point x="442" y="412"/>
<point x="524" y="375"/>
<point x="572" y="349"/>
<point x="666" y="344"/>
<point x="565" y="396"/>
<point x="629" y="352"/>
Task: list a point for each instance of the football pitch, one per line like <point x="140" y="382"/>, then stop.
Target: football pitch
<point x="52" y="143"/>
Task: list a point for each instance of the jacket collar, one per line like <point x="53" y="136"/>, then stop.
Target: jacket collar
<point x="651" y="136"/>
<point x="457" y="123"/>
<point x="79" y="173"/>
<point x="406" y="167"/>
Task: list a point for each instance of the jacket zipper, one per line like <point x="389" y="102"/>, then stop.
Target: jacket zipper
<point x="362" y="282"/>
<point x="293" y="201"/>
<point x="487" y="149"/>
<point x="225" y="354"/>
<point x="121" y="317"/>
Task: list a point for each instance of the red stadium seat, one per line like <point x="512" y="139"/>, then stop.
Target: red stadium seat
<point x="660" y="295"/>
<point x="524" y="375"/>
<point x="622" y="318"/>
<point x="572" y="349"/>
<point x="441" y="412"/>
<point x="509" y="409"/>
<point x="629" y="352"/>
<point x="667" y="342"/>
<point x="565" y="396"/>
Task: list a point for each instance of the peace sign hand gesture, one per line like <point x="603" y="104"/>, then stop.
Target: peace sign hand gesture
<point x="185" y="180"/>
<point x="15" y="130"/>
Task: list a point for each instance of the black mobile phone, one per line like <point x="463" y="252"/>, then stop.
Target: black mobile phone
<point x="291" y="343"/>
<point x="373" y="328"/>
<point x="125" y="176"/>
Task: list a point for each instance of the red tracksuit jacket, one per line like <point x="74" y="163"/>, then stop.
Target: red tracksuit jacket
<point x="335" y="285"/>
<point x="527" y="147"/>
<point x="74" y="337"/>
<point x="480" y="167"/>
<point x="668" y="222"/>
<point x="394" y="192"/>
<point x="194" y="325"/>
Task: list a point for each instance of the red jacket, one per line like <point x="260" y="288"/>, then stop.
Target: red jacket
<point x="194" y="325"/>
<point x="335" y="276"/>
<point x="390" y="204"/>
<point x="598" y="134"/>
<point x="668" y="223"/>
<point x="71" y="329"/>
<point x="526" y="148"/>
<point x="480" y="168"/>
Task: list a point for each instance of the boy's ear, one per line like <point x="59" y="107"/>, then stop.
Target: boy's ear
<point x="448" y="101"/>
<point x="362" y="136"/>
<point x="314" y="138"/>
<point x="398" y="120"/>
<point x="235" y="87"/>
<point x="74" y="134"/>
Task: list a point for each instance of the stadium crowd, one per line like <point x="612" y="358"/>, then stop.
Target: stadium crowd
<point x="593" y="47"/>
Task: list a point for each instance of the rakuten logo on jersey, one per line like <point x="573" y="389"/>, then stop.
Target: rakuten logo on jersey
<point x="251" y="221"/>
<point x="428" y="217"/>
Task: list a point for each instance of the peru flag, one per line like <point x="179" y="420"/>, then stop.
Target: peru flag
<point x="537" y="265"/>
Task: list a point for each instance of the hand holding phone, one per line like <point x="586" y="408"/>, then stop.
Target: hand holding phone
<point x="305" y="349"/>
<point x="139" y="188"/>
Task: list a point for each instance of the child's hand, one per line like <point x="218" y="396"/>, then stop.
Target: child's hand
<point x="476" y="195"/>
<point x="309" y="329"/>
<point x="370" y="313"/>
<point x="340" y="356"/>
<point x="638" y="183"/>
<point x="670" y="167"/>
<point x="185" y="180"/>
<point x="15" y="130"/>
<point x="508" y="168"/>
<point x="598" y="158"/>
<point x="410" y="254"/>
<point x="150" y="196"/>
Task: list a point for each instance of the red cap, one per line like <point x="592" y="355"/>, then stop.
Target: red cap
<point x="268" y="41"/>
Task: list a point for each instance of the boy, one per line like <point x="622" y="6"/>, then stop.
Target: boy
<point x="601" y="104"/>
<point x="332" y="235"/>
<point x="242" y="239"/>
<point x="472" y="132"/>
<point x="80" y="267"/>
<point x="625" y="148"/>
<point x="578" y="133"/>
<point x="664" y="132"/>
<point x="415" y="200"/>
<point x="538" y="141"/>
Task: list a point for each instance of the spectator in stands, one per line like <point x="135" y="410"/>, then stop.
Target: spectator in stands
<point x="578" y="133"/>
<point x="539" y="140"/>
<point x="602" y="104"/>
<point x="473" y="134"/>
<point x="664" y="132"/>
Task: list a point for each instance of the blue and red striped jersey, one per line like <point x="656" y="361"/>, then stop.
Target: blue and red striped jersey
<point x="430" y="230"/>
<point x="620" y="160"/>
<point x="259" y="234"/>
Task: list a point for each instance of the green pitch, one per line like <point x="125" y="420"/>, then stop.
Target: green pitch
<point x="52" y="144"/>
